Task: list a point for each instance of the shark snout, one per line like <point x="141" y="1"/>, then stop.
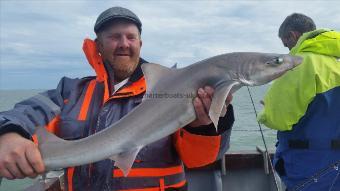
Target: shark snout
<point x="298" y="60"/>
<point x="274" y="68"/>
<point x="295" y="60"/>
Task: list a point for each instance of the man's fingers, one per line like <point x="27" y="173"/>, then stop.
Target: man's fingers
<point x="5" y="173"/>
<point x="19" y="159"/>
<point x="201" y="113"/>
<point x="14" y="170"/>
<point x="25" y="167"/>
<point x="202" y="105"/>
<point x="34" y="158"/>
<point x="209" y="90"/>
<point x="199" y="108"/>
<point x="205" y="99"/>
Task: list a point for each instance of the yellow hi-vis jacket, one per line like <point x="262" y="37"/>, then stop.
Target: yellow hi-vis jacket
<point x="288" y="98"/>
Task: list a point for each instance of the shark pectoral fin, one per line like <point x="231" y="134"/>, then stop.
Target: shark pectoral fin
<point x="153" y="73"/>
<point x="44" y="136"/>
<point x="218" y="102"/>
<point x="124" y="161"/>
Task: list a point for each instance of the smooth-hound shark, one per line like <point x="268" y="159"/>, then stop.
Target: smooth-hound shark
<point x="160" y="116"/>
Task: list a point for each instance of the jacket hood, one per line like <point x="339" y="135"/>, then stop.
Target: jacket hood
<point x="321" y="41"/>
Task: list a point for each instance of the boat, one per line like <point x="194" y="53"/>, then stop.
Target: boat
<point x="236" y="171"/>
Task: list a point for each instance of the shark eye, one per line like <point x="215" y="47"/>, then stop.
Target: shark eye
<point x="278" y="60"/>
<point x="275" y="61"/>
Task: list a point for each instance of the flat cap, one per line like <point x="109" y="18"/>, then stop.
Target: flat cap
<point x="116" y="13"/>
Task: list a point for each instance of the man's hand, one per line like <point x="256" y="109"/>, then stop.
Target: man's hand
<point x="202" y="105"/>
<point x="19" y="157"/>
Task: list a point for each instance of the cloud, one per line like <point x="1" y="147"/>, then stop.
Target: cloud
<point x="44" y="38"/>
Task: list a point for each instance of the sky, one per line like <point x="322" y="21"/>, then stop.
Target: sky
<point x="41" y="41"/>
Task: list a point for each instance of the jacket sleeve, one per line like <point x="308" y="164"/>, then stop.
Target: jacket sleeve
<point x="202" y="145"/>
<point x="40" y="110"/>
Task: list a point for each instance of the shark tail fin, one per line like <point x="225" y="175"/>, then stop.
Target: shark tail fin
<point x="124" y="161"/>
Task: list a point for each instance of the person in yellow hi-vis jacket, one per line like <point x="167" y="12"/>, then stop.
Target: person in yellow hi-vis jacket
<point x="304" y="106"/>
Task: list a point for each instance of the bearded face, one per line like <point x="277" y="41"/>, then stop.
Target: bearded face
<point x="119" y="45"/>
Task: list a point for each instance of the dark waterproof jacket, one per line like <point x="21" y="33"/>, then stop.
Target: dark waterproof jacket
<point x="78" y="108"/>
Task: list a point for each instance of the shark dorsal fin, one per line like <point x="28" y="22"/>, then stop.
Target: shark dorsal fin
<point x="174" y="66"/>
<point x="154" y="72"/>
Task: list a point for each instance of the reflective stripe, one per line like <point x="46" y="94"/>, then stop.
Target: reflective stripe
<point x="70" y="172"/>
<point x="161" y="184"/>
<point x="178" y="185"/>
<point x="126" y="183"/>
<point x="87" y="100"/>
<point x="106" y="90"/>
<point x="149" y="172"/>
<point x="48" y="102"/>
